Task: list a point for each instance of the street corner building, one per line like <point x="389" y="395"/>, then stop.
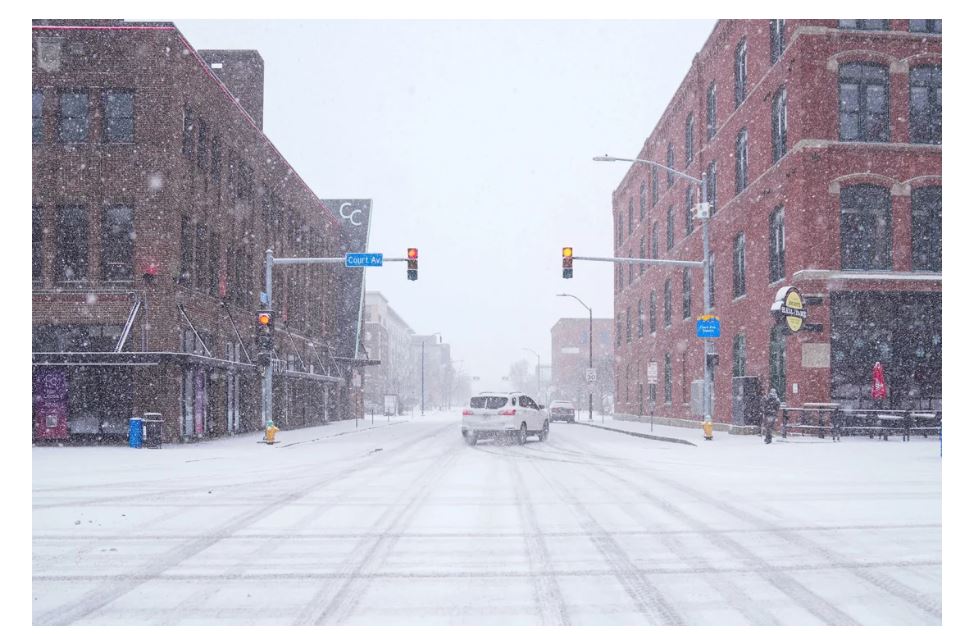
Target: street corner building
<point x="155" y="197"/>
<point x="820" y="145"/>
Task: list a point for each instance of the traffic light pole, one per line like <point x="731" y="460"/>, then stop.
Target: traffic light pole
<point x="268" y="290"/>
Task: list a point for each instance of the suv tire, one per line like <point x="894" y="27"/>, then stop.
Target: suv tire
<point x="521" y="436"/>
<point x="546" y="431"/>
<point x="470" y="438"/>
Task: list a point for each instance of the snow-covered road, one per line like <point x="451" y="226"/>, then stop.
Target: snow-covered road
<point x="402" y="523"/>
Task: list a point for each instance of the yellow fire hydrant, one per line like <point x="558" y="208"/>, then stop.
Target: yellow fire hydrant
<point x="707" y="429"/>
<point x="270" y="432"/>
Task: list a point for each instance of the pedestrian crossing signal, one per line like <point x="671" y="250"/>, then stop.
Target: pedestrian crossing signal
<point x="568" y="253"/>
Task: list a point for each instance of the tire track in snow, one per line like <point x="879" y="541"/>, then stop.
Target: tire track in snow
<point x="647" y="598"/>
<point x="99" y="597"/>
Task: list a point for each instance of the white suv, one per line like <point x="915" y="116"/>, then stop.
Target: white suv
<point x="511" y="414"/>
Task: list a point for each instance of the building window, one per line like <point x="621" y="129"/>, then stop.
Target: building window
<point x="668" y="378"/>
<point x="630" y="216"/>
<point x="739" y="355"/>
<point x="686" y="293"/>
<point x="865" y="228"/>
<point x="926" y="229"/>
<point x="201" y="263"/>
<point x="863" y="102"/>
<point x="214" y="253"/>
<point x="925" y="26"/>
<point x="627" y="324"/>
<point x="652" y="307"/>
<point x="670" y="162"/>
<point x="72" y="244"/>
<point x="188" y="136"/>
<point x="689" y="203"/>
<point x="740" y="73"/>
<point x="925" y="122"/>
<point x="37" y="108"/>
<point x="617" y="332"/>
<point x="654" y="240"/>
<point x="117" y="244"/>
<point x="202" y="157"/>
<point x="864" y="25"/>
<point x="74" y="117"/>
<point x="689" y="139"/>
<point x="186" y="251"/>
<point x="654" y="185"/>
<point x="710" y="187"/>
<point x="631" y="270"/>
<point x="668" y="302"/>
<point x="215" y="166"/>
<point x="620" y="277"/>
<point x="742" y="161"/>
<point x="777" y="41"/>
<point x="119" y="116"/>
<point x="779" y="124"/>
<point x="642" y="201"/>
<point x="670" y="228"/>
<point x="37" y="243"/>
<point x="777" y="359"/>
<point x="739" y="266"/>
<point x="710" y="112"/>
<point x="777" y="245"/>
<point x="641" y="254"/>
<point x="641" y="318"/>
<point x="620" y="229"/>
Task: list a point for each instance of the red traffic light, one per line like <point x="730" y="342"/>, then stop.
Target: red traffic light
<point x="264" y="319"/>
<point x="412" y="253"/>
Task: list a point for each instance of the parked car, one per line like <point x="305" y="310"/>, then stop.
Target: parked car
<point x="562" y="411"/>
<point x="512" y="415"/>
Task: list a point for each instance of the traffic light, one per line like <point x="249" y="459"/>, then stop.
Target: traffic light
<point x="412" y="264"/>
<point x="264" y="336"/>
<point x="568" y="262"/>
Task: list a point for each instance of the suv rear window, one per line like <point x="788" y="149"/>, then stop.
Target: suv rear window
<point x="487" y="402"/>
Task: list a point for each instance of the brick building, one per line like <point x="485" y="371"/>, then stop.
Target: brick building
<point x="820" y="142"/>
<point x="570" y="353"/>
<point x="155" y="195"/>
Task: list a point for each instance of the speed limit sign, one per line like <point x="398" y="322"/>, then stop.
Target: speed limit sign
<point x="591" y="375"/>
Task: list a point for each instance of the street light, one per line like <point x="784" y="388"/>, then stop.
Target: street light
<point x="590" y="358"/>
<point x="538" y="369"/>
<point x="702" y="212"/>
<point x="423" y="366"/>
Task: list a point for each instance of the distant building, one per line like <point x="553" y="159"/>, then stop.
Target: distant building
<point x="388" y="339"/>
<point x="155" y="196"/>
<point x="432" y="374"/>
<point x="820" y="141"/>
<point x="570" y="353"/>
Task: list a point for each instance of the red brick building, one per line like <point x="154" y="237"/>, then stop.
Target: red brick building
<point x="570" y="353"/>
<point x="155" y="196"/>
<point x="821" y="144"/>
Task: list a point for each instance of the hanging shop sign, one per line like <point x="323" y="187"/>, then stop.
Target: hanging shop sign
<point x="790" y="307"/>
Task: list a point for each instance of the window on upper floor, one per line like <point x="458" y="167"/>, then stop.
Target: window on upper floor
<point x="668" y="302"/>
<point x="686" y="293"/>
<point x="925" y="26"/>
<point x="620" y="227"/>
<point x="864" y="25"/>
<point x="617" y="331"/>
<point x="710" y="187"/>
<point x="670" y="228"/>
<point x="202" y="154"/>
<point x="865" y="228"/>
<point x="641" y="254"/>
<point x="37" y="108"/>
<point x="652" y="308"/>
<point x="670" y="163"/>
<point x="630" y="216"/>
<point x="668" y="378"/>
<point x="74" y="117"/>
<point x="864" y="102"/>
<point x="185" y="251"/>
<point x="740" y="68"/>
<point x="926" y="228"/>
<point x="689" y="203"/>
<point x="627" y="324"/>
<point x="739" y="266"/>
<point x="642" y="201"/>
<point x="71" y="264"/>
<point x="777" y="40"/>
<point x="742" y="161"/>
<point x="654" y="185"/>
<point x="119" y="116"/>
<point x="641" y="318"/>
<point x="216" y="164"/>
<point x="654" y="240"/>
<point x="631" y="271"/>
<point x="779" y="124"/>
<point x="689" y="139"/>
<point x="37" y="243"/>
<point x="777" y="245"/>
<point x="188" y="131"/>
<point x="925" y="120"/>
<point x="117" y="244"/>
<point x="710" y="112"/>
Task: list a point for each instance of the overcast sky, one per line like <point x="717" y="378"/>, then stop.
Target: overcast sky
<point x="474" y="139"/>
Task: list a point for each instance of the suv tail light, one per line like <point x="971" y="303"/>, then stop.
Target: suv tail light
<point x="507" y="412"/>
<point x="467" y="412"/>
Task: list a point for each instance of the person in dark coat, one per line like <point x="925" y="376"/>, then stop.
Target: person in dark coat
<point x="771" y="408"/>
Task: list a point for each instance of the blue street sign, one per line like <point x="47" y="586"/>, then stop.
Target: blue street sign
<point x="707" y="326"/>
<point x="363" y="259"/>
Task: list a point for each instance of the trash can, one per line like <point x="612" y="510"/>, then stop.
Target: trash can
<point x="153" y="430"/>
<point x="135" y="432"/>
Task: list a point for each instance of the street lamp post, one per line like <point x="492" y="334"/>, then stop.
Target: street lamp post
<point x="702" y="212"/>
<point x="538" y="369"/>
<point x="590" y="352"/>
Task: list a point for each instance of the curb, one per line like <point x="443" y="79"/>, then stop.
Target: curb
<point x="680" y="441"/>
